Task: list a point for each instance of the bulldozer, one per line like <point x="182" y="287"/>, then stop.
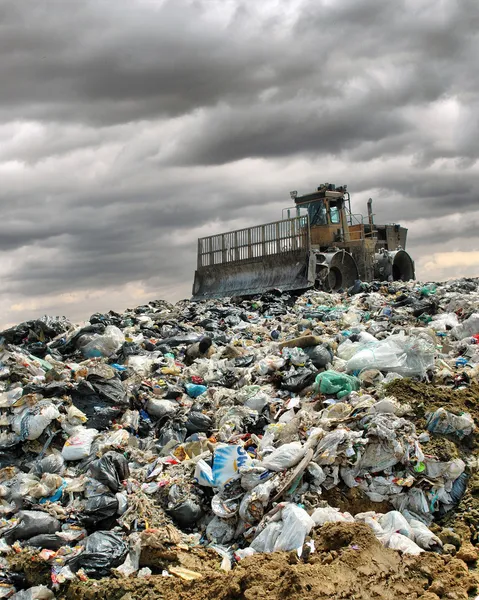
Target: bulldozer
<point x="319" y="243"/>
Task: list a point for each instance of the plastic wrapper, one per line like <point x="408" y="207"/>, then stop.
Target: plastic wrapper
<point x="227" y="462"/>
<point x="446" y="423"/>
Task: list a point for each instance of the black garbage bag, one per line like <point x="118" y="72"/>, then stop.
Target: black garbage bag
<point x="173" y="392"/>
<point x="298" y="380"/>
<point x="172" y="430"/>
<point x="31" y="523"/>
<point x="110" y="390"/>
<point x="50" y="541"/>
<point x="111" y="469"/>
<point x="97" y="406"/>
<point x="50" y="390"/>
<point x="66" y="348"/>
<point x="99" y="508"/>
<point x="459" y="487"/>
<point x="103" y="551"/>
<point x="198" y="422"/>
<point x="38" y="330"/>
<point x="53" y="463"/>
<point x="320" y="355"/>
<point x="244" y="361"/>
<point x="184" y="506"/>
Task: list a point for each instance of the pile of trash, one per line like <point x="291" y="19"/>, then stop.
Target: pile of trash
<point x="227" y="425"/>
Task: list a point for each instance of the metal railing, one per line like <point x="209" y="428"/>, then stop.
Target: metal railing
<point x="280" y="237"/>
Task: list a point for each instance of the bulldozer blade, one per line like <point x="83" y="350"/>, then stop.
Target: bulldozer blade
<point x="398" y="266"/>
<point x="286" y="272"/>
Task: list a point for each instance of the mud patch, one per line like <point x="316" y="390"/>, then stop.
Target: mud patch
<point x="349" y="563"/>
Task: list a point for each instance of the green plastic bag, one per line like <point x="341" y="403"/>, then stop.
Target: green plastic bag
<point x="339" y="384"/>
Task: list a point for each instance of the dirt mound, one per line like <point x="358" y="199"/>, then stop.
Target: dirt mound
<point x="348" y="562"/>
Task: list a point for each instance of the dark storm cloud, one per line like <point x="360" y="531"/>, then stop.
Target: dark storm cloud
<point x="128" y="128"/>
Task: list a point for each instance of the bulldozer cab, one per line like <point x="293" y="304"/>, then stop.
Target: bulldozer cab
<point x="319" y="242"/>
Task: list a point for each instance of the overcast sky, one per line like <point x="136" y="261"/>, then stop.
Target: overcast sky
<point x="128" y="128"/>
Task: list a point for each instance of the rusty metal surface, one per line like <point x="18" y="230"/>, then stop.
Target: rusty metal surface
<point x="287" y="272"/>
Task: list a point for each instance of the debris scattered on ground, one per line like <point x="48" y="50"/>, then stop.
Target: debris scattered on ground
<point x="286" y="445"/>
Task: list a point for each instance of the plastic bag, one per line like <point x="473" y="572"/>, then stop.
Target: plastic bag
<point x="227" y="461"/>
<point x="284" y="457"/>
<point x="98" y="508"/>
<point x="103" y="551"/>
<point x="400" y="542"/>
<point x="328" y="514"/>
<point x="132" y="561"/>
<point x="32" y="422"/>
<point x="334" y="383"/>
<point x="31" y="523"/>
<point x="422" y="535"/>
<point x="104" y="345"/>
<point x="79" y="445"/>
<point x="266" y="539"/>
<point x="467" y="329"/>
<point x="161" y="408"/>
<point x="320" y="356"/>
<point x="297" y="380"/>
<point x="407" y="356"/>
<point x="111" y="470"/>
<point x="220" y="531"/>
<point x="198" y="422"/>
<point x="53" y="463"/>
<point x="38" y="592"/>
<point x="296" y="525"/>
<point x="395" y="522"/>
<point x="446" y="423"/>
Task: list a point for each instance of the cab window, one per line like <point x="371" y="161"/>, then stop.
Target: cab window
<point x="334" y="215"/>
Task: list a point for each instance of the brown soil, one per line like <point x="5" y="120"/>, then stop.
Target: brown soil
<point x="348" y="563"/>
<point x="425" y="398"/>
<point x="353" y="500"/>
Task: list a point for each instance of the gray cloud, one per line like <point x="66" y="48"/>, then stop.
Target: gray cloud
<point x="127" y="129"/>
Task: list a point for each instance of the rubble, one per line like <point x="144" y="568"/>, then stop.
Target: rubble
<point x="175" y="444"/>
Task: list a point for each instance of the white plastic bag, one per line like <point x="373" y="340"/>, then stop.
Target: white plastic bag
<point x="467" y="329"/>
<point x="395" y="522"/>
<point x="421" y="534"/>
<point x="266" y="540"/>
<point x="296" y="525"/>
<point x="404" y="544"/>
<point x="407" y="356"/>
<point x="106" y="344"/>
<point x="78" y="446"/>
<point x="32" y="422"/>
<point x="284" y="457"/>
<point x="328" y="514"/>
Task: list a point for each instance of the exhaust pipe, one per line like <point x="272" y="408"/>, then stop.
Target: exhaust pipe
<point x="335" y="270"/>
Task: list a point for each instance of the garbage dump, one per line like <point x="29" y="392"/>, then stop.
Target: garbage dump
<point x="219" y="442"/>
